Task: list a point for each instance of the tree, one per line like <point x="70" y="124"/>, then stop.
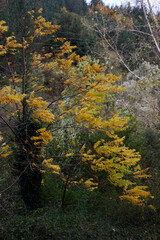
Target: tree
<point x="73" y="29"/>
<point x="78" y="6"/>
<point x="15" y="12"/>
<point x="16" y="15"/>
<point x="31" y="112"/>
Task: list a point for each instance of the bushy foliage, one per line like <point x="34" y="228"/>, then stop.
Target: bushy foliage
<point x="89" y="215"/>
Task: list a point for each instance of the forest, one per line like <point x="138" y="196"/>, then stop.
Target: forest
<point x="79" y="120"/>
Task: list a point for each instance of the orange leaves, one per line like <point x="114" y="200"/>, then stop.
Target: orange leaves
<point x="48" y="55"/>
<point x="9" y="96"/>
<point x="2" y="27"/>
<point x="40" y="111"/>
<point x="140" y="173"/>
<point x="36" y="101"/>
<point x="15" y="79"/>
<point x="104" y="10"/>
<point x="43" y="114"/>
<point x="37" y="60"/>
<point x="65" y="48"/>
<point x="95" y="68"/>
<point x="3" y="51"/>
<point x="12" y="43"/>
<point x="11" y="46"/>
<point x="4" y="150"/>
<point x="90" y="184"/>
<point x="44" y="137"/>
<point x="42" y="26"/>
<point x="63" y="9"/>
<point x="54" y="168"/>
<point x="40" y="10"/>
<point x="31" y="13"/>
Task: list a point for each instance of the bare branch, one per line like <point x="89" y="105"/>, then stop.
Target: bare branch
<point x="149" y="25"/>
<point x="4" y="190"/>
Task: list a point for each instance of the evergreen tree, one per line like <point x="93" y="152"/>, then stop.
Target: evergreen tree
<point x="78" y="6"/>
<point x="51" y="7"/>
<point x="73" y="29"/>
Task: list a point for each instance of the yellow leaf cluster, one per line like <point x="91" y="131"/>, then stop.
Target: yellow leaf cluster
<point x="37" y="60"/>
<point x="65" y="48"/>
<point x="54" y="168"/>
<point x="63" y="9"/>
<point x="118" y="161"/>
<point x="48" y="55"/>
<point x="137" y="195"/>
<point x="69" y="154"/>
<point x="31" y="13"/>
<point x="15" y="79"/>
<point x="11" y="45"/>
<point x="44" y="137"/>
<point x="43" y="114"/>
<point x="51" y="66"/>
<point x="90" y="184"/>
<point x="1" y="137"/>
<point x="43" y="27"/>
<point x="40" y="112"/>
<point x="5" y="150"/>
<point x="9" y="96"/>
<point x="105" y="11"/>
<point x="2" y="27"/>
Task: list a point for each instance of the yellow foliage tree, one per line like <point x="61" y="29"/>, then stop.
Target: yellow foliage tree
<point x="30" y="110"/>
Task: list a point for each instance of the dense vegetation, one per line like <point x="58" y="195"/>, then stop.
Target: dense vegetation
<point x="79" y="121"/>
